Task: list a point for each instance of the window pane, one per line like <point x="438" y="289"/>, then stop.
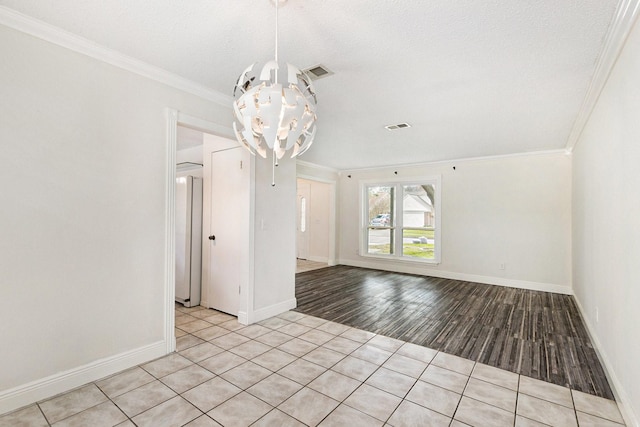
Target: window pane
<point x="380" y="241"/>
<point x="418" y="243"/>
<point x="380" y="204"/>
<point x="418" y="206"/>
<point x="380" y="235"/>
<point x="418" y="219"/>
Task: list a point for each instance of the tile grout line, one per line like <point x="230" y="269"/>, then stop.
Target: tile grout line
<point x="575" y="411"/>
<point x="402" y="399"/>
<point x="453" y="416"/>
<point x="297" y="358"/>
<point x="327" y="369"/>
<point x="378" y="368"/>
<point x="515" y="414"/>
<point x="151" y="407"/>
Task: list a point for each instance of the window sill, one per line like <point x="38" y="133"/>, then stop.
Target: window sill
<point x="402" y="260"/>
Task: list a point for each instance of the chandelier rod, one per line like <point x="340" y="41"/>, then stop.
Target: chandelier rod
<point x="276" y="50"/>
<point x="274" y="158"/>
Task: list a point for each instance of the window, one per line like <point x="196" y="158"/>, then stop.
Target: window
<point x="401" y="220"/>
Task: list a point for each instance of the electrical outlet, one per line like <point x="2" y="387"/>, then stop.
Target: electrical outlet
<point x="597" y="315"/>
<point x="502" y="266"/>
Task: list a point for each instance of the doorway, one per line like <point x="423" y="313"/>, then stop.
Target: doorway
<point x="314" y="224"/>
<point x="223" y="167"/>
<point x="195" y="128"/>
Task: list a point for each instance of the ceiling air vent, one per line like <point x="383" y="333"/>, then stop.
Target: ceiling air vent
<point x="318" y="72"/>
<point x="398" y="126"/>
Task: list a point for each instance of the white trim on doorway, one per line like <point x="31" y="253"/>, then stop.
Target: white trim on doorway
<point x="170" y="232"/>
<point x="333" y="194"/>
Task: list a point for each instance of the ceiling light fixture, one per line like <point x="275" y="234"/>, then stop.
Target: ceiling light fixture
<point x="274" y="108"/>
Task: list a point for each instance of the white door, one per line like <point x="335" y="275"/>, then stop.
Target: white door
<point x="227" y="227"/>
<point x="302" y="227"/>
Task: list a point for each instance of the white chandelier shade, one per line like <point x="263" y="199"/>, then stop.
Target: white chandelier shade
<point x="274" y="109"/>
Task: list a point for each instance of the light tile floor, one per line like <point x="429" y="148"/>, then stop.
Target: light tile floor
<point x="298" y="370"/>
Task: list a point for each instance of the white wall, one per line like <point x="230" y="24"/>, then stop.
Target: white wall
<point x="318" y="206"/>
<point x="274" y="239"/>
<point x="512" y="210"/>
<point x="606" y="230"/>
<point x="82" y="179"/>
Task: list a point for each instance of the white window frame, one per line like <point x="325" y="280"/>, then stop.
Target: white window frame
<point x="398" y="216"/>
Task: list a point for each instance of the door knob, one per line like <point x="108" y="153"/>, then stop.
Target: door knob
<point x="212" y="237"/>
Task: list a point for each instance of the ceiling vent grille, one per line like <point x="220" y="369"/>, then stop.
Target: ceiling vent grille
<point x="398" y="126"/>
<point x="318" y="72"/>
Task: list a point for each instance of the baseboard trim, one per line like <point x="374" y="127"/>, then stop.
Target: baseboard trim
<point x="319" y="259"/>
<point x="488" y="280"/>
<point x="630" y="418"/>
<point x="44" y="388"/>
<point x="272" y="310"/>
<point x="243" y="318"/>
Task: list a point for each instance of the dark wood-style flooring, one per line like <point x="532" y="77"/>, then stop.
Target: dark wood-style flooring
<point x="536" y="334"/>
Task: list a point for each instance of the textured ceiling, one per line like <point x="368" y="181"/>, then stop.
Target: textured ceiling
<point x="473" y="78"/>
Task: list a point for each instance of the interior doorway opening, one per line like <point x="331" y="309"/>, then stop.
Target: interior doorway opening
<point x="313" y="224"/>
<point x="222" y="168"/>
<point x="185" y="154"/>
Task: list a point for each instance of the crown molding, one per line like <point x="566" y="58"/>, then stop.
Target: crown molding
<point x="562" y="151"/>
<point x="316" y="166"/>
<point x="621" y="26"/>
<point x="26" y="24"/>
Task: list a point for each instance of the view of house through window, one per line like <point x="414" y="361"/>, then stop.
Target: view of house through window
<point x="401" y="220"/>
<point x="418" y="225"/>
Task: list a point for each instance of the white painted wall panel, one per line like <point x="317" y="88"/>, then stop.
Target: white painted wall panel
<point x="82" y="179"/>
<point x="275" y="236"/>
<point x="606" y="225"/>
<point x="512" y="210"/>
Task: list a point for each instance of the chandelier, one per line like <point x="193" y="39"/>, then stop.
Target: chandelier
<point x="274" y="108"/>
